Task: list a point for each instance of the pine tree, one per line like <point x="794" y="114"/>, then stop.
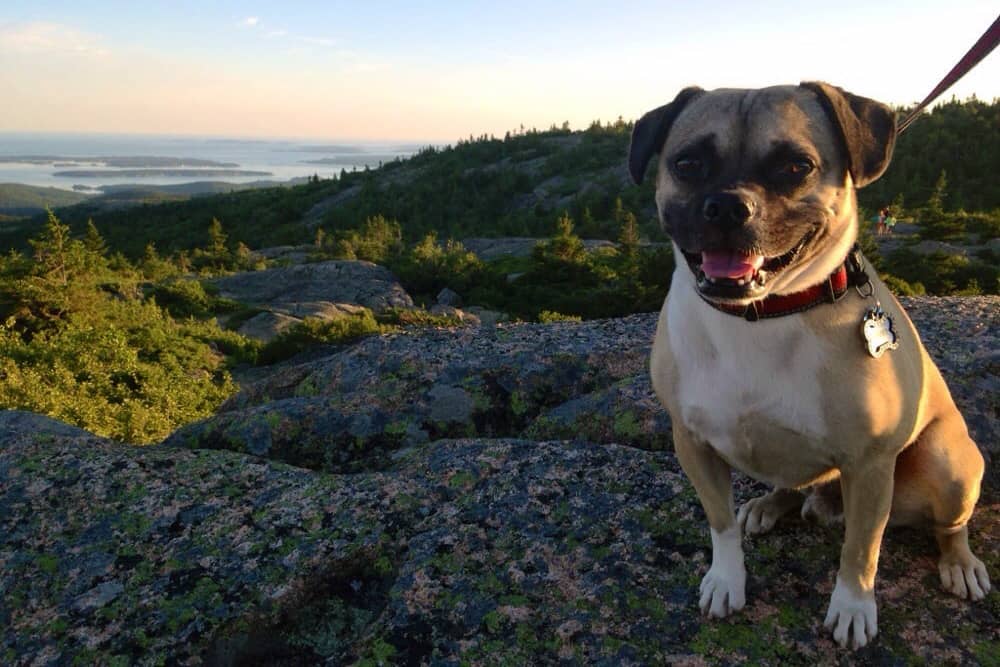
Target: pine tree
<point x="628" y="239"/>
<point x="52" y="251"/>
<point x="93" y="240"/>
<point x="897" y="207"/>
<point x="935" y="204"/>
<point x="216" y="239"/>
<point x="618" y="214"/>
<point x="938" y="224"/>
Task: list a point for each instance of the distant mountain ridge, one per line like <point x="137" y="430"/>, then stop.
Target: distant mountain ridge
<point x="20" y="199"/>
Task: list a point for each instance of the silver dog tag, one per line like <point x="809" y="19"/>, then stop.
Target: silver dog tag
<point x="877" y="329"/>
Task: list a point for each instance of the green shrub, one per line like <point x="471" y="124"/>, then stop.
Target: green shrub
<point x="900" y="287"/>
<point x="942" y="273"/>
<point x="428" y="267"/>
<point x="982" y="225"/>
<point x="548" y="316"/>
<point x="416" y="317"/>
<point x="128" y="372"/>
<point x="81" y="343"/>
<point x="315" y="331"/>
<point x="184" y="297"/>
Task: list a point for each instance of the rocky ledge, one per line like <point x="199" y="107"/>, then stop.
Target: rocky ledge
<point x="481" y="496"/>
<point x="285" y="295"/>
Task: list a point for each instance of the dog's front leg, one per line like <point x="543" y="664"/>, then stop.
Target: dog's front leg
<point x="867" y="493"/>
<point x="723" y="588"/>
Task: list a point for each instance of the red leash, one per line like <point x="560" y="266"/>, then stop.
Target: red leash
<point x="979" y="50"/>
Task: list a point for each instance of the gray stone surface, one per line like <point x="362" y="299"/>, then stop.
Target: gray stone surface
<point x="388" y="541"/>
<point x="449" y="297"/>
<point x="317" y="290"/>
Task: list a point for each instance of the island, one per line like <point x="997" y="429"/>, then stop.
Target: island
<point x="148" y="173"/>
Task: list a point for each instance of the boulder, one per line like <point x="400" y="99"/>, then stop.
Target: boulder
<point x="487" y="318"/>
<point x="295" y="290"/>
<point x="267" y="326"/>
<point x="448" y="297"/>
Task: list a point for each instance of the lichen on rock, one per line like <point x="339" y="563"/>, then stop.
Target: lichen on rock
<point x="329" y="515"/>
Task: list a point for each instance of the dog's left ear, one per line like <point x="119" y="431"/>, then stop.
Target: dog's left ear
<point x="867" y="130"/>
<point x="651" y="130"/>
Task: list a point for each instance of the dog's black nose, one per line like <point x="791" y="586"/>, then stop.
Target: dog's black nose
<point x="727" y="208"/>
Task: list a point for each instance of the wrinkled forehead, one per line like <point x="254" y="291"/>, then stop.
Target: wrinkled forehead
<point x="753" y="122"/>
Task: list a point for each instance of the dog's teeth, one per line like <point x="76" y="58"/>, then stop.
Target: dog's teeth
<point x="741" y="282"/>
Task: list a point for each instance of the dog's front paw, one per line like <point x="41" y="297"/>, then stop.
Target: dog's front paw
<point x="852" y="616"/>
<point x="964" y="576"/>
<point x="723" y="592"/>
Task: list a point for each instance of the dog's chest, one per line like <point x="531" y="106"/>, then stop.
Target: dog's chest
<point x="752" y="390"/>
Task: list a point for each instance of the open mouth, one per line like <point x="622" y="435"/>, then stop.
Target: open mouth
<point x="737" y="275"/>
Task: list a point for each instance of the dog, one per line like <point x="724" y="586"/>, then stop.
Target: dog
<point x="780" y="353"/>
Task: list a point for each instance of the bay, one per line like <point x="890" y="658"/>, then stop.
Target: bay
<point x="35" y="158"/>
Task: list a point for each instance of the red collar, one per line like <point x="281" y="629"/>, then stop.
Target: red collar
<point x="851" y="272"/>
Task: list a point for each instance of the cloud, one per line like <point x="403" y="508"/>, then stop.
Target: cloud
<point x="251" y="21"/>
<point x="295" y="37"/>
<point x="40" y="37"/>
<point x="318" y="41"/>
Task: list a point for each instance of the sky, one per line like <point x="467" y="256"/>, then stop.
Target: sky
<point x="438" y="71"/>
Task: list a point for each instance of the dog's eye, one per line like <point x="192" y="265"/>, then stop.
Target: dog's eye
<point x="689" y="168"/>
<point x="796" y="169"/>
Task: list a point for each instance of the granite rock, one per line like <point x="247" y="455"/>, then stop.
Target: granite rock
<point x="489" y="496"/>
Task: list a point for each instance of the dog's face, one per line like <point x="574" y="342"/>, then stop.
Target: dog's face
<point x="756" y="187"/>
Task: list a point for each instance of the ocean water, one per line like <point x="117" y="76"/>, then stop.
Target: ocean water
<point x="283" y="159"/>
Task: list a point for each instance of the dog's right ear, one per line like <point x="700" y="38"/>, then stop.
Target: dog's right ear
<point x="651" y="130"/>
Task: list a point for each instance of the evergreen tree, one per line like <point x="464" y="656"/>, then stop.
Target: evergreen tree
<point x="628" y="239"/>
<point x="93" y="240"/>
<point x="60" y="280"/>
<point x="216" y="239"/>
<point x="936" y="223"/>
<point x="897" y="207"/>
<point x="935" y="204"/>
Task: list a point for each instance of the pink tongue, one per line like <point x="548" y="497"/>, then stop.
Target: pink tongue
<point x="730" y="264"/>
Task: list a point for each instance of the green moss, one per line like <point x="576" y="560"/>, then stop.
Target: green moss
<point x="626" y="425"/>
<point x="461" y="479"/>
<point x="57" y="627"/>
<point x="383" y="565"/>
<point x="47" y="563"/>
<point x="987" y="653"/>
<point x="381" y="653"/>
<point x="397" y="428"/>
<point x="493" y="622"/>
<point x="757" y="641"/>
<point x="519" y="404"/>
<point x="307" y="388"/>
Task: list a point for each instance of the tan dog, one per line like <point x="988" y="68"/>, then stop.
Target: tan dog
<point x="777" y="353"/>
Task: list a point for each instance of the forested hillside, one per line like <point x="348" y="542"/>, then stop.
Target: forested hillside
<point x="521" y="183"/>
<point x="961" y="139"/>
<point x="17" y="199"/>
